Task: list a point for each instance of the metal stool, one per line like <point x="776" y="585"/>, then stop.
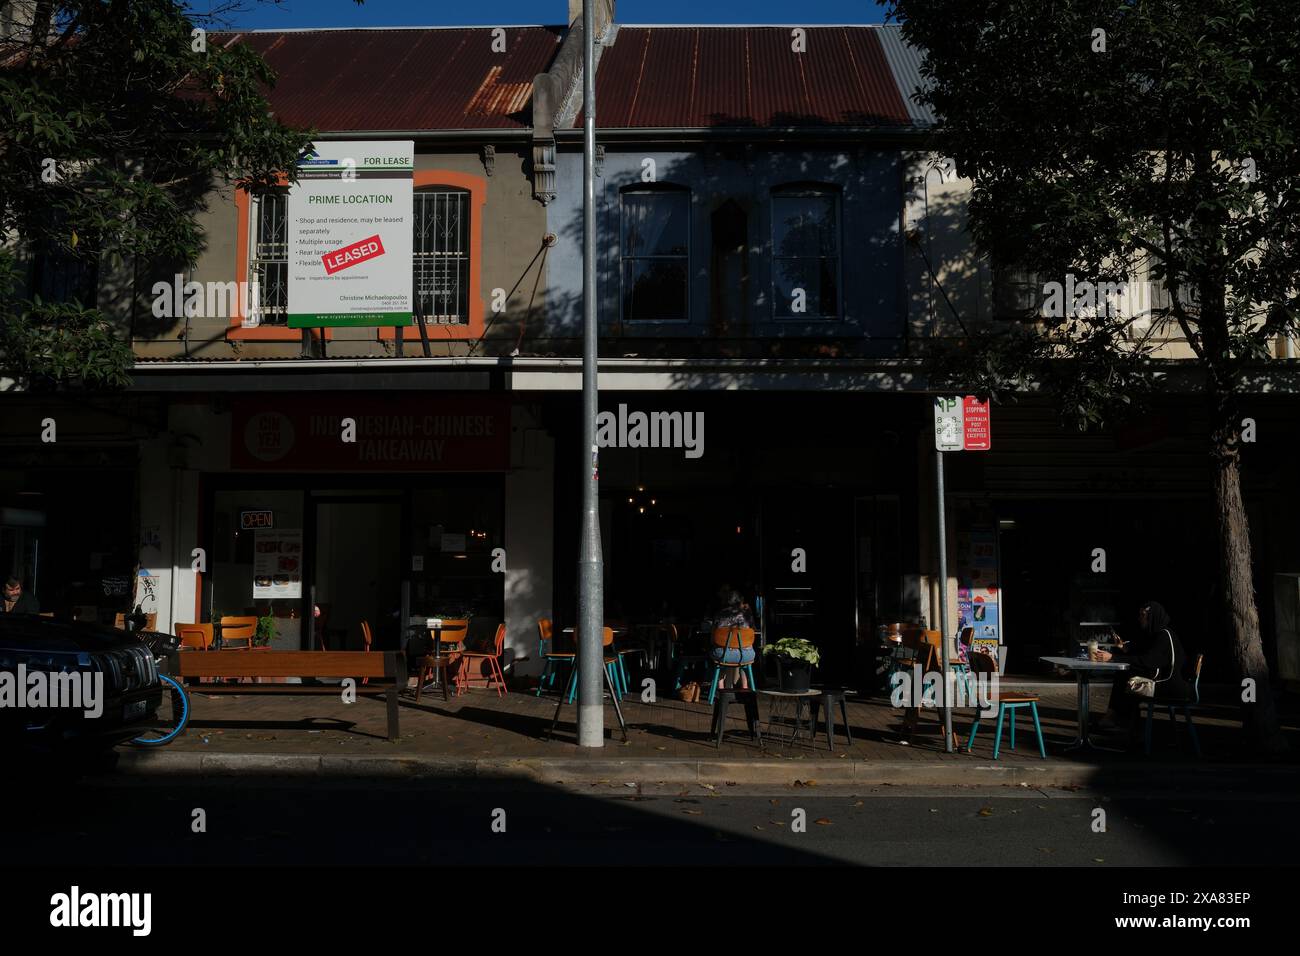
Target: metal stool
<point x="828" y="699"/>
<point x="725" y="698"/>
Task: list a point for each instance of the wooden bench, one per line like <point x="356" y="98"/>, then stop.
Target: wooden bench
<point x="386" y="670"/>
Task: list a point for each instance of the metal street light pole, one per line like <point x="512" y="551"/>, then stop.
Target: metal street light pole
<point x="591" y="599"/>
<point x="943" y="600"/>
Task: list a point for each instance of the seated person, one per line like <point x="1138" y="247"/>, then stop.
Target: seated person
<point x="1158" y="655"/>
<point x="18" y="601"/>
<point x="734" y="612"/>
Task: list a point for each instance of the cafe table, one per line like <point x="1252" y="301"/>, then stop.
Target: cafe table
<point x="434" y="626"/>
<point x="1084" y="671"/>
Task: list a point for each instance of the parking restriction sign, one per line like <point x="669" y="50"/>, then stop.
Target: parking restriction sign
<point x="961" y="424"/>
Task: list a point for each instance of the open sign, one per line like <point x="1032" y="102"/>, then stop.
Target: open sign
<point x="256" y="519"/>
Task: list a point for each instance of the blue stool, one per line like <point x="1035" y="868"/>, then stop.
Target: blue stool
<point x="1010" y="705"/>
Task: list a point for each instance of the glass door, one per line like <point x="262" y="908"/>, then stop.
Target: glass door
<point x="356" y="571"/>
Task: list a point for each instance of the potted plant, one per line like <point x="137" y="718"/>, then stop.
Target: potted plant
<point x="795" y="659"/>
<point x="266" y="630"/>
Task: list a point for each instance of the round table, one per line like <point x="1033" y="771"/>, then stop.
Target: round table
<point x="1083" y="671"/>
<point x="799" y="699"/>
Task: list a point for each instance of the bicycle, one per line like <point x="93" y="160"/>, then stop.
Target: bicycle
<point x="169" y="720"/>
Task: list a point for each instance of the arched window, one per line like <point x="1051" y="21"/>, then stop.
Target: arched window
<point x="806" y="252"/>
<point x="655" y="250"/>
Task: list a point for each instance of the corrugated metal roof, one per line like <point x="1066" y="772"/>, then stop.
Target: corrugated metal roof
<point x="426" y="79"/>
<point x="905" y="63"/>
<point x="666" y="77"/>
<point x="700" y="76"/>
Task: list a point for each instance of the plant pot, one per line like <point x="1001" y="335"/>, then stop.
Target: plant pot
<point x="793" y="675"/>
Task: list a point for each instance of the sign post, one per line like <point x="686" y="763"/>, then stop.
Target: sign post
<point x="960" y="424"/>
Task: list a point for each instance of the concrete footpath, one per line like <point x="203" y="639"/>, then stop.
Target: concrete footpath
<point x="605" y="768"/>
<point x="481" y="737"/>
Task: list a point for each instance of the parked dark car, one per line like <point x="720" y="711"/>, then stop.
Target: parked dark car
<point x="132" y="691"/>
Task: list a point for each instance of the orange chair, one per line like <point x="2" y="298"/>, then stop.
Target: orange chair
<point x="194" y="637"/>
<point x="237" y="633"/>
<point x="452" y="644"/>
<point x="368" y="639"/>
<point x="732" y="639"/>
<point x="494" y="664"/>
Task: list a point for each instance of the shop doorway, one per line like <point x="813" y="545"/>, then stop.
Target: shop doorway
<point x="808" y="573"/>
<point x="356" y="570"/>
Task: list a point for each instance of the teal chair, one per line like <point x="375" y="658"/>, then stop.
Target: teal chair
<point x="554" y="660"/>
<point x="731" y="638"/>
<point x="1183" y="704"/>
<point x="1007" y="704"/>
<point x="611" y="669"/>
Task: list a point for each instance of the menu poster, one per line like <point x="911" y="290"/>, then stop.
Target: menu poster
<point x="277" y="563"/>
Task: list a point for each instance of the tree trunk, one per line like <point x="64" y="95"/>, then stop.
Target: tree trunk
<point x="1259" y="719"/>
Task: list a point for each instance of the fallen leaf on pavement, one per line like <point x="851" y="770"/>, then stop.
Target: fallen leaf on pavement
<point x="986" y="811"/>
<point x="694" y="813"/>
<point x="822" y="822"/>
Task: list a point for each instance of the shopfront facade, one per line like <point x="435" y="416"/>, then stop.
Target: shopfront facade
<point x="285" y="511"/>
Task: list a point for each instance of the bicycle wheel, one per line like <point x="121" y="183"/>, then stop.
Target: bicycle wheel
<point x="170" y="719"/>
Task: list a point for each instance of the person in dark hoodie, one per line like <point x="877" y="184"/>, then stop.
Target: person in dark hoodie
<point x="1158" y="654"/>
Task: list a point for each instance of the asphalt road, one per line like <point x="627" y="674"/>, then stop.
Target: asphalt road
<point x="253" y="821"/>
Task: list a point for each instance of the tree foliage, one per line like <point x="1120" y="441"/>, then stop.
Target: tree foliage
<point x="116" y="120"/>
<point x="1103" y="136"/>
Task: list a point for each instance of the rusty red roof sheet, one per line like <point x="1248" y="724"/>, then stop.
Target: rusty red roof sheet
<point x="425" y="79"/>
<point x="700" y="76"/>
<point x="651" y="77"/>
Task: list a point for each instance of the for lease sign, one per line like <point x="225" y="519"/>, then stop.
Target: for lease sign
<point x="349" y="234"/>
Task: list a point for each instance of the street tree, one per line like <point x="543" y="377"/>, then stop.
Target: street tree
<point x="1110" y="139"/>
<point x="117" y="119"/>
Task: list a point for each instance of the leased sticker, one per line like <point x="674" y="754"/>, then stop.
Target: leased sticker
<point x="352" y="255"/>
